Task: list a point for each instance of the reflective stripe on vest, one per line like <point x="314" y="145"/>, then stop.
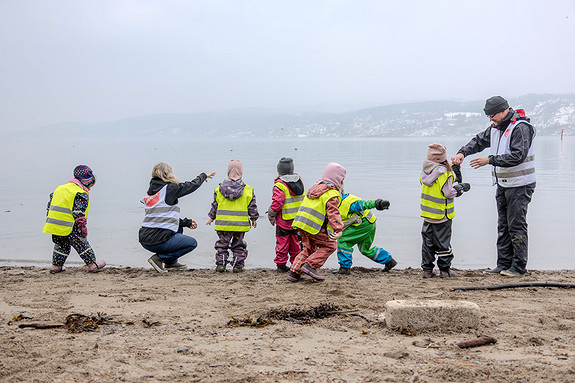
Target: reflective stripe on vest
<point x="60" y="220"/>
<point x="353" y="219"/>
<point x="233" y="215"/>
<point x="291" y="203"/>
<point x="434" y="205"/>
<point x="519" y="175"/>
<point x="311" y="214"/>
<point x="160" y="215"/>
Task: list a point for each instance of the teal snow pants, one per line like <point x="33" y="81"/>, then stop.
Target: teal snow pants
<point x="362" y="236"/>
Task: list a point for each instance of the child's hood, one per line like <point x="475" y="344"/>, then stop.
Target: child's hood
<point x="318" y="189"/>
<point x="335" y="174"/>
<point x="294" y="183"/>
<point x="232" y="190"/>
<point x="431" y="172"/>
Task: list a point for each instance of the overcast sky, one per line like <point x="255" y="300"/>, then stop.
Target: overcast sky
<point x="92" y="61"/>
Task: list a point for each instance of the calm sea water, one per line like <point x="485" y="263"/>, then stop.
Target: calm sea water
<point x="385" y="168"/>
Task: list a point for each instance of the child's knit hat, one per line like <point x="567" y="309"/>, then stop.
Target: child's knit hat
<point x="285" y="166"/>
<point x="84" y="174"/>
<point x="436" y="153"/>
<point x="235" y="170"/>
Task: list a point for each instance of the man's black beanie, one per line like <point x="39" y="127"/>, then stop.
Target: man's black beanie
<point x="495" y="105"/>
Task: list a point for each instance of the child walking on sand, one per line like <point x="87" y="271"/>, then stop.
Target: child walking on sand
<point x="359" y="229"/>
<point x="437" y="210"/>
<point x="288" y="194"/>
<point x="67" y="219"/>
<point x="319" y="223"/>
<point x="233" y="208"/>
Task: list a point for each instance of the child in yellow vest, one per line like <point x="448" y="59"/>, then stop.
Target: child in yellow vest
<point x="67" y="219"/>
<point x="437" y="211"/>
<point x="288" y="194"/>
<point x="319" y="223"/>
<point x="359" y="229"/>
<point x="234" y="211"/>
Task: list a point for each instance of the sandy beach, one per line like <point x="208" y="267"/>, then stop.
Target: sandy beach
<point x="176" y="327"/>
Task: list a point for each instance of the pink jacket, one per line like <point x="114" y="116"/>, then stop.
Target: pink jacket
<point x="278" y="199"/>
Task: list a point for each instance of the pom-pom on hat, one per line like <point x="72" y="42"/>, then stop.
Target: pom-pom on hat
<point x="494" y="105"/>
<point x="436" y="153"/>
<point x="84" y="174"/>
<point x="285" y="166"/>
<point x="235" y="170"/>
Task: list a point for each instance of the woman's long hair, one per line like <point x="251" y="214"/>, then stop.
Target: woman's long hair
<point x="164" y="172"/>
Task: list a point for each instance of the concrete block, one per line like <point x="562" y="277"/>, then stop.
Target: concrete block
<point x="432" y="314"/>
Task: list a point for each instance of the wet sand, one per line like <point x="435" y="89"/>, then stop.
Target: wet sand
<point x="172" y="328"/>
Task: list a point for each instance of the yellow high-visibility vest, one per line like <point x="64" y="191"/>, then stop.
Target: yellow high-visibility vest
<point x="434" y="205"/>
<point x="233" y="215"/>
<point x="354" y="219"/>
<point x="291" y="203"/>
<point x="312" y="212"/>
<point x="60" y="220"/>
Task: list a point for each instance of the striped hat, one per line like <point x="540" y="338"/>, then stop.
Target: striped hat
<point x="84" y="174"/>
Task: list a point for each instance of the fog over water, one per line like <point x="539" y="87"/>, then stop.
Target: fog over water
<point x="385" y="168"/>
<point x="92" y="61"/>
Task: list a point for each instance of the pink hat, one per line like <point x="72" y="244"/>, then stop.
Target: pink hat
<point x="334" y="173"/>
<point x="235" y="170"/>
<point x="436" y="153"/>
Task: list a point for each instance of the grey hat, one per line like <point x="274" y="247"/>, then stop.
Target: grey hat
<point x="495" y="105"/>
<point x="285" y="166"/>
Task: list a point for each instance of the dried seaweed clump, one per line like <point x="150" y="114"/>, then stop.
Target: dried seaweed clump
<point x="148" y="323"/>
<point x="18" y="318"/>
<point x="323" y="310"/>
<point x="261" y="321"/>
<point x="83" y="323"/>
<point x="298" y="316"/>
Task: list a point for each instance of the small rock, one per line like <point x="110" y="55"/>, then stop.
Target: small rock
<point x="396" y="354"/>
<point x="183" y="350"/>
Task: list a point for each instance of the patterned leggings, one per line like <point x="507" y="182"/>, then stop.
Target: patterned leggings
<point x="63" y="246"/>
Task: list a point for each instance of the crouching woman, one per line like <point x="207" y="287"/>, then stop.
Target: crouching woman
<point x="162" y="229"/>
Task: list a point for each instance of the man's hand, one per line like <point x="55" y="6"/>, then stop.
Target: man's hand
<point x="457" y="159"/>
<point x="254" y="224"/>
<point x="209" y="221"/>
<point x="479" y="162"/>
<point x="211" y="175"/>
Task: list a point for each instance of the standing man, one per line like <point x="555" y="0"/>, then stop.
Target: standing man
<point x="510" y="138"/>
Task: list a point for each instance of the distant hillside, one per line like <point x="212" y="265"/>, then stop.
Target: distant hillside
<point x="549" y="113"/>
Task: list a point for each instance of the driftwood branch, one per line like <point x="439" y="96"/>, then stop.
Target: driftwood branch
<point x="514" y="285"/>
<point x="40" y="325"/>
<point x="479" y="341"/>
